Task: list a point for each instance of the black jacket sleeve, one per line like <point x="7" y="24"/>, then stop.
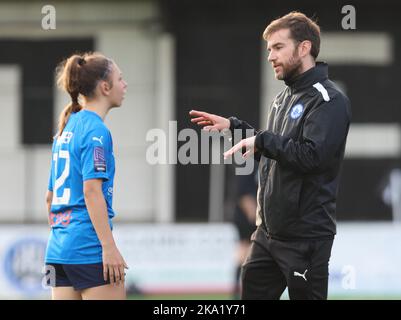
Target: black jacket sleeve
<point x="241" y="125"/>
<point x="237" y="124"/>
<point x="324" y="132"/>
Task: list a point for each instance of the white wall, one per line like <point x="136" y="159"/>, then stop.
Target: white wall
<point x="12" y="158"/>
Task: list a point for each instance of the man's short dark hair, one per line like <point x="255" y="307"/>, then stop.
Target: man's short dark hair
<point x="301" y="28"/>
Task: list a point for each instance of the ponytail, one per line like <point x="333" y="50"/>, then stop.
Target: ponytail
<point x="73" y="107"/>
<point x="69" y="79"/>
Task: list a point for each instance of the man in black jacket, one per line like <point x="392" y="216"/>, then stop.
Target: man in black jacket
<point x="300" y="154"/>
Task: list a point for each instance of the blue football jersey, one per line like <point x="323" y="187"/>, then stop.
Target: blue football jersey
<point x="83" y="151"/>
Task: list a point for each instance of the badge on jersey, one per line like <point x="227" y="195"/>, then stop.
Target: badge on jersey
<point x="297" y="111"/>
<point x="99" y="159"/>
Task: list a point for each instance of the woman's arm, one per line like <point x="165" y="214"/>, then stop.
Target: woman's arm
<point x="113" y="262"/>
<point x="49" y="198"/>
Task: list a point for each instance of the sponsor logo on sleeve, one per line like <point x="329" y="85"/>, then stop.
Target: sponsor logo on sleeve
<point x="99" y="159"/>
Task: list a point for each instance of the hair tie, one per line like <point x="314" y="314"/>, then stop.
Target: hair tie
<point x="81" y="61"/>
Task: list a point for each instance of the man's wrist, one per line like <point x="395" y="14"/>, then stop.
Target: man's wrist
<point x="228" y="123"/>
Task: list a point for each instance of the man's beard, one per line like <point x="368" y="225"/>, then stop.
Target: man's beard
<point x="292" y="69"/>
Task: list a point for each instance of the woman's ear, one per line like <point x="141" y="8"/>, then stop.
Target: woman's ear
<point x="105" y="87"/>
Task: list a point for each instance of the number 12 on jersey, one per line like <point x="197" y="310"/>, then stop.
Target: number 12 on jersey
<point x="65" y="198"/>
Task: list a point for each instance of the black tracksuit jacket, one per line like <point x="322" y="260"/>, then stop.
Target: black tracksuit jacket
<point x="301" y="152"/>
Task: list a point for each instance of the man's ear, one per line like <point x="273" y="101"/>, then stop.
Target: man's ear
<point x="305" y="48"/>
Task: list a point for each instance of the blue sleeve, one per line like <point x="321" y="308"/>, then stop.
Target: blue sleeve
<point x="95" y="153"/>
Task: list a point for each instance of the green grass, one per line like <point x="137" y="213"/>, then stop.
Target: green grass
<point x="229" y="297"/>
<point x="365" y="297"/>
<point x="181" y="297"/>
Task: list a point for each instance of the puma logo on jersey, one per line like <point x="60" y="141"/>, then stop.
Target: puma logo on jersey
<point x="302" y="275"/>
<point x="98" y="139"/>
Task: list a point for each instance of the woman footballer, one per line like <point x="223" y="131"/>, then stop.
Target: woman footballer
<point x="81" y="253"/>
